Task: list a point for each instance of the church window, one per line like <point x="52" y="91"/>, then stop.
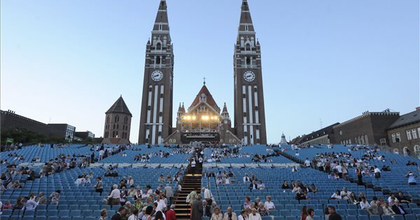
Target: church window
<point x="125" y="120"/>
<point x="158" y="46"/>
<point x="117" y="119"/>
<point x="113" y="126"/>
<point x="158" y="60"/>
<point x="248" y="60"/>
<point x="247" y="46"/>
<point x="113" y="134"/>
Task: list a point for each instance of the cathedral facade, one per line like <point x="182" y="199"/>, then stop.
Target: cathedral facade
<point x="203" y="121"/>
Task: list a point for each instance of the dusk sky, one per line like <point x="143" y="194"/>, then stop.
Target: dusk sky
<point x="324" y="61"/>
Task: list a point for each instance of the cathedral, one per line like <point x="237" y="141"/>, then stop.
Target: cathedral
<point x="203" y="121"/>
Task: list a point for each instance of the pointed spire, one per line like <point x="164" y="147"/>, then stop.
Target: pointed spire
<point x="119" y="107"/>
<point x="224" y="106"/>
<point x="245" y="23"/>
<point x="161" y="22"/>
<point x="179" y="107"/>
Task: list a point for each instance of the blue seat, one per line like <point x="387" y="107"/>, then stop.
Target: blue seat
<point x="410" y="217"/>
<point x="386" y="217"/>
<point x="398" y="217"/>
<point x="375" y="217"/>
<point x="363" y="217"/>
<point x="351" y="217"/>
<point x="266" y="218"/>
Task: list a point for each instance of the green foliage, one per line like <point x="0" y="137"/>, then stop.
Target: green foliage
<point x="22" y="136"/>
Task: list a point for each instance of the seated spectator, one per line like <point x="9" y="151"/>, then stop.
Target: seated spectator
<point x="254" y="215"/>
<point x="374" y="206"/>
<point x="285" y="185"/>
<point x="260" y="185"/>
<point x="41" y="199"/>
<point x="313" y="188"/>
<point x="246" y="178"/>
<point x="55" y="197"/>
<point x="385" y="209"/>
<point x="364" y="204"/>
<point x="230" y="215"/>
<point x="402" y="198"/>
<point x="7" y="205"/>
<point x="300" y="195"/>
<point x="217" y="215"/>
<point x="352" y="198"/>
<point x="262" y="210"/>
<point x="243" y="215"/>
<point x="345" y="194"/>
<point x="253" y="186"/>
<point x="411" y="178"/>
<point x="19" y="203"/>
<point x="269" y="205"/>
<point x="247" y="203"/>
<point x="392" y="200"/>
<point x="336" y="195"/>
<point x="398" y="209"/>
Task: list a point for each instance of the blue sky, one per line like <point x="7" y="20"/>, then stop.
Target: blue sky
<point x="323" y="60"/>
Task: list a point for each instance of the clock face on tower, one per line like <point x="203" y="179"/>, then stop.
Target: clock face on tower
<point x="249" y="76"/>
<point x="157" y="75"/>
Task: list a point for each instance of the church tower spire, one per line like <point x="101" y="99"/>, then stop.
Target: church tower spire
<point x="157" y="100"/>
<point x="248" y="82"/>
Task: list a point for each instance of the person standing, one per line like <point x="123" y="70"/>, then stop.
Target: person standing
<point x="170" y="214"/>
<point x="104" y="214"/>
<point x="99" y="186"/>
<point x="197" y="209"/>
<point x="333" y="214"/>
<point x="120" y="214"/>
<point x="311" y="214"/>
<point x="169" y="193"/>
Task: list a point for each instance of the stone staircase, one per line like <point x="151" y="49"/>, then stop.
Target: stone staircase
<point x="191" y="181"/>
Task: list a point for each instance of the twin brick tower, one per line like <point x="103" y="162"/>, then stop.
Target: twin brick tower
<point x="203" y="120"/>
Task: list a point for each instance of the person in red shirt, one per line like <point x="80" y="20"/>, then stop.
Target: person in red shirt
<point x="170" y="214"/>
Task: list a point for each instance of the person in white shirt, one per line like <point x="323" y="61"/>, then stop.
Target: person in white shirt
<point x="207" y="193"/>
<point x="246" y="178"/>
<point x="269" y="205"/>
<point x="364" y="204"/>
<point x="101" y="154"/>
<point x="79" y="180"/>
<point x="377" y="172"/>
<point x="336" y="195"/>
<point x="115" y="195"/>
<point x="339" y="170"/>
<point x="307" y="162"/>
<point x="161" y="206"/>
<point x="31" y="204"/>
<point x="392" y="200"/>
<point x="345" y="194"/>
<point x="254" y="215"/>
<point x="243" y="216"/>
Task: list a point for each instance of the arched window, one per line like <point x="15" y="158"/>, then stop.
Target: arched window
<point x="116" y="119"/>
<point x="158" y="60"/>
<point x="248" y="61"/>
<point x="247" y="46"/>
<point x="417" y="151"/>
<point x="406" y="151"/>
<point x="158" y="46"/>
